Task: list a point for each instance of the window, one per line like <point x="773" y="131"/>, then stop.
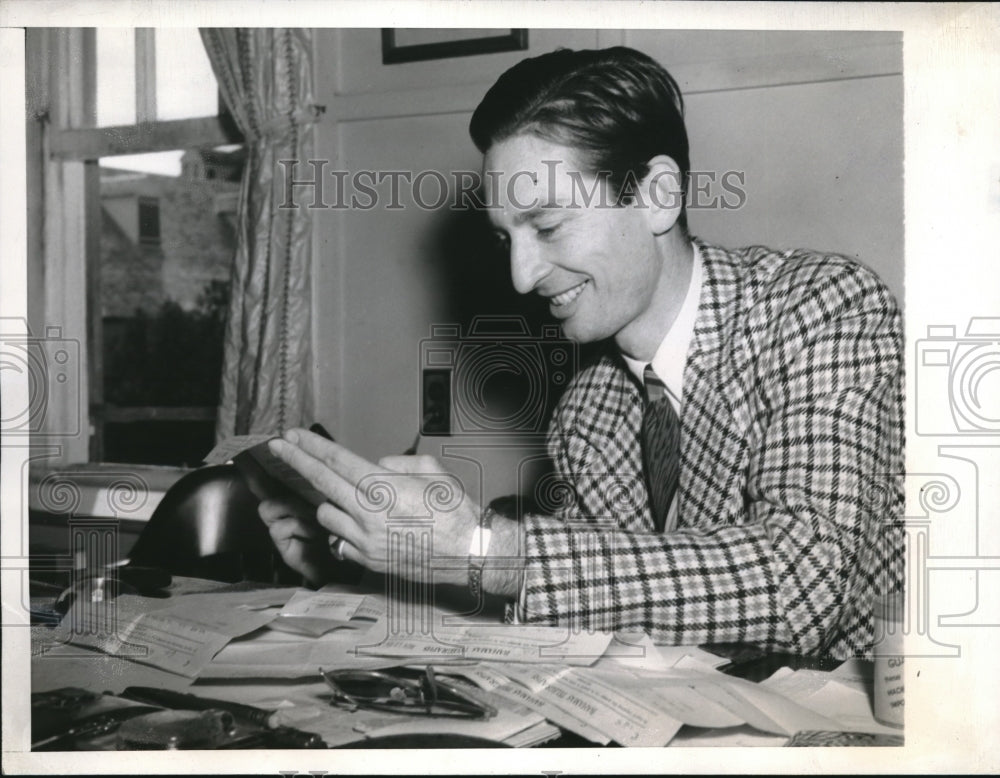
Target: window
<point x="163" y="299"/>
<point x="144" y="166"/>
<point x="149" y="220"/>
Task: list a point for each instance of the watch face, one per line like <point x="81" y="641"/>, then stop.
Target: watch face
<point x="480" y="543"/>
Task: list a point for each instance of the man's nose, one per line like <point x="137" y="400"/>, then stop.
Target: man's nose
<point x="527" y="267"/>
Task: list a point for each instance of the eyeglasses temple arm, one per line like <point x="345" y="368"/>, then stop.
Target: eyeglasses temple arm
<point x="487" y="709"/>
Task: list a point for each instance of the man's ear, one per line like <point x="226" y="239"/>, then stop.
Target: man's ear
<point x="663" y="191"/>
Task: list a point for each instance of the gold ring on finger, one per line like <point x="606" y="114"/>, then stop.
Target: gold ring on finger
<point x="337" y="547"/>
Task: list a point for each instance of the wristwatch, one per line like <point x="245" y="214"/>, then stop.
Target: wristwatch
<point x="478" y="549"/>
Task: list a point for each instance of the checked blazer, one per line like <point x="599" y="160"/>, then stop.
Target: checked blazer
<point x="790" y="495"/>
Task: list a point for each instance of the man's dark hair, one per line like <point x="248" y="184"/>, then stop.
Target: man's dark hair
<point x="617" y="107"/>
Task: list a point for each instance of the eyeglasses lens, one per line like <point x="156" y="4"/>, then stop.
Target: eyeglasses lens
<point x="418" y="694"/>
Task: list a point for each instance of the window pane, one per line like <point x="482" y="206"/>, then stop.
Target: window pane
<point x="167" y="163"/>
<point x="115" y="76"/>
<point x="168" y="236"/>
<point x="185" y="85"/>
<point x="149" y="220"/>
<point x="158" y="442"/>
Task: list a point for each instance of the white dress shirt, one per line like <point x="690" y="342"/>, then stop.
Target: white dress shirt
<point x="671" y="355"/>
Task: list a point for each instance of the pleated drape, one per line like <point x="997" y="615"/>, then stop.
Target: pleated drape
<point x="265" y="76"/>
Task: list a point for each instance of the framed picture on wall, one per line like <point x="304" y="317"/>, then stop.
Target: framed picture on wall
<point x="412" y="44"/>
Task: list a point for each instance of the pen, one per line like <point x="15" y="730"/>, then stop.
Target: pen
<point x="288" y="736"/>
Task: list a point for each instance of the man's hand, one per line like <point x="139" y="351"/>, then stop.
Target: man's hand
<point x="363" y="495"/>
<point x="299" y="538"/>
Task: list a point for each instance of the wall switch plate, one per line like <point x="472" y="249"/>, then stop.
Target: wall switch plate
<point x="435" y="402"/>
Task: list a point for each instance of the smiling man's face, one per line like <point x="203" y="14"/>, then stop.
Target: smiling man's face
<point x="596" y="264"/>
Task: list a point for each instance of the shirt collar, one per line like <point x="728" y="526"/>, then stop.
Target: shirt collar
<point x="671" y="355"/>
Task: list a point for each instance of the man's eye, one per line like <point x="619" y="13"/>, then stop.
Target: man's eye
<point x="546" y="232"/>
<point x="501" y="241"/>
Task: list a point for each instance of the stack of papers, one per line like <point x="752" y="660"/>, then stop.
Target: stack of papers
<point x="609" y="702"/>
<point x="608" y="688"/>
<point x="841" y="695"/>
<point x="494" y="642"/>
<point x="365" y="639"/>
<point x="179" y="634"/>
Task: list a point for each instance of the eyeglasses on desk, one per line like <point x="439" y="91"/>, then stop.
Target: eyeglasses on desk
<point x="402" y="690"/>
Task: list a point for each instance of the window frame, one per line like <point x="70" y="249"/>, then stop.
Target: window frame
<point x="148" y="206"/>
<point x="63" y="63"/>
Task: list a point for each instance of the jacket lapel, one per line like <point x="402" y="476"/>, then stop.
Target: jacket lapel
<point x="714" y="373"/>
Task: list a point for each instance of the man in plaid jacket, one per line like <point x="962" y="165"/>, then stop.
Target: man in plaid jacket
<point x="784" y="369"/>
<point x="791" y="440"/>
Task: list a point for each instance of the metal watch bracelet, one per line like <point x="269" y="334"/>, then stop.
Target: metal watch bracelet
<point x="478" y="551"/>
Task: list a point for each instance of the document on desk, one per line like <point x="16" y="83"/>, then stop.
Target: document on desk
<point x="180" y="634"/>
<point x="841" y="695"/>
<point x="752" y="703"/>
<point x="495" y="680"/>
<point x="497" y="642"/>
<point x="623" y="713"/>
<point x="674" y="692"/>
<point x="294" y="653"/>
<point x="636" y="651"/>
<point x="316" y="613"/>
<point x="602" y="705"/>
<point x="639" y="707"/>
<point x="370" y="645"/>
<point x="258" y="659"/>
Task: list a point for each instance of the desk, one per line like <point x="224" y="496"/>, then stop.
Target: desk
<point x="68" y="665"/>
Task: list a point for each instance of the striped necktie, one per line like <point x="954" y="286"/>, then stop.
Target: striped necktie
<point x="660" y="447"/>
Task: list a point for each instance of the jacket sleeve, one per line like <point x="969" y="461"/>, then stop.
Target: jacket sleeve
<point x="798" y="568"/>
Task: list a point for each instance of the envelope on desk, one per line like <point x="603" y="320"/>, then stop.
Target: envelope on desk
<point x="179" y="634"/>
<point x="315" y="613"/>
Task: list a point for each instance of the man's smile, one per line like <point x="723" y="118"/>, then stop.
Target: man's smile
<point x="564" y="298"/>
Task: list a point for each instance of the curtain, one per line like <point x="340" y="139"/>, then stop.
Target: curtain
<point x="265" y="77"/>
